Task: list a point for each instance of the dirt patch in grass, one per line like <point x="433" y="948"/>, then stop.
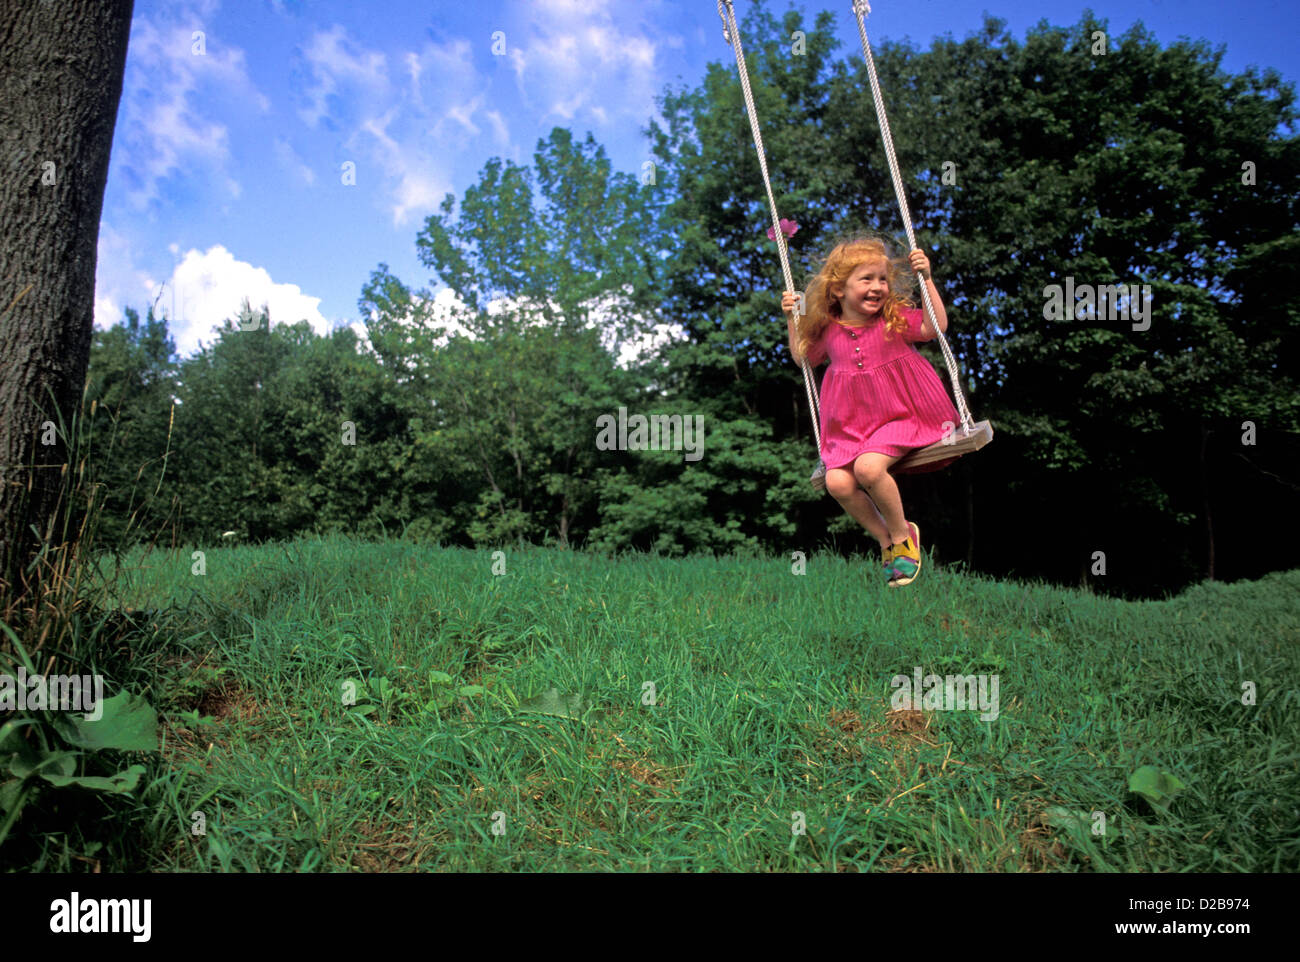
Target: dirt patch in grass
<point x="838" y="739"/>
<point x="903" y="722"/>
<point x="388" y="846"/>
<point x="946" y="623"/>
<point x="888" y="747"/>
<point x="228" y="702"/>
<point x="1029" y="844"/>
<point x="1040" y="849"/>
<point x="906" y="863"/>
<point x="643" y="772"/>
<point x="639" y="780"/>
<point x="198" y="686"/>
<point x="846" y="720"/>
<point x="197" y="683"/>
<point x="844" y="733"/>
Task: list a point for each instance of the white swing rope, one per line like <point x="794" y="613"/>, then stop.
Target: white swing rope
<point x="731" y="34"/>
<point x="861" y="7"/>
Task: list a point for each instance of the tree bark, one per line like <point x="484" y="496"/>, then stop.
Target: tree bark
<point x="61" y="69"/>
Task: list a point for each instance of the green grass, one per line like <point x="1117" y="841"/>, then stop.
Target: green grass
<point x="772" y="696"/>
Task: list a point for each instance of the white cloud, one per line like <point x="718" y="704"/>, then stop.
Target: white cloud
<point x="108" y="311"/>
<point x="341" y="71"/>
<point x="419" y="186"/>
<point x="448" y="70"/>
<point x="570" y="48"/>
<point x="571" y="9"/>
<point x="417" y="192"/>
<point x="498" y="124"/>
<point x="607" y="314"/>
<point x="169" y="91"/>
<point x="442" y="310"/>
<point x="410" y="126"/>
<point x="118" y="283"/>
<point x="461" y="113"/>
<point x="290" y="161"/>
<point x="611" y="311"/>
<point x="210" y="287"/>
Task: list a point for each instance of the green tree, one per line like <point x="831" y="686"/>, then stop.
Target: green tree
<point x="280" y="431"/>
<point x="565" y="236"/>
<point x="555" y="265"/>
<point x="1025" y="163"/>
<point x="131" y="381"/>
<point x="1114" y="167"/>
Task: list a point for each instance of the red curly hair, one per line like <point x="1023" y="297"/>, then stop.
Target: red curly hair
<point x="845" y="257"/>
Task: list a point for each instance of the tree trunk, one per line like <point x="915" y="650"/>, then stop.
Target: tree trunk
<point x="565" y="503"/>
<point x="60" y="85"/>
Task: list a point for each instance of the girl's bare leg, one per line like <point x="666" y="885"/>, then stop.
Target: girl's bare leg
<point x="843" y="487"/>
<point x="871" y="470"/>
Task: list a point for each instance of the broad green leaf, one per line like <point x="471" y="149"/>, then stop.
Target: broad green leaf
<point x="51" y="766"/>
<point x="438" y="702"/>
<point x="439" y="678"/>
<point x="123" y="781"/>
<point x="13" y="743"/>
<point x="10" y="738"/>
<point x="31" y="763"/>
<point x="1156" y="786"/>
<point x="11" y="790"/>
<point x="13" y="638"/>
<point x="58" y="765"/>
<point x="128" y="723"/>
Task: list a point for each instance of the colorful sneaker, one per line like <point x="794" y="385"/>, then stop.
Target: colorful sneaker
<point x="887" y="561"/>
<point x="907" y="559"/>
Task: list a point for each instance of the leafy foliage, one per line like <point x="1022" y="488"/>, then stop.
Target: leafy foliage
<point x="42" y="748"/>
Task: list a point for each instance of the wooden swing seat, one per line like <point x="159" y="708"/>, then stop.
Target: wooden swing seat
<point x="981" y="433"/>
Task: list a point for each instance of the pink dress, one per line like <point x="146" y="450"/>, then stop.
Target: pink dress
<point x="879" y="393"/>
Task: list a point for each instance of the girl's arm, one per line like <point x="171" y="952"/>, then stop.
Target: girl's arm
<point x="788" y="301"/>
<point x="921" y="265"/>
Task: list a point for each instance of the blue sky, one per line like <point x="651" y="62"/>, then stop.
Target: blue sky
<point x="226" y="173"/>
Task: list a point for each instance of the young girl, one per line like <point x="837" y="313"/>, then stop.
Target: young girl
<point x="879" y="398"/>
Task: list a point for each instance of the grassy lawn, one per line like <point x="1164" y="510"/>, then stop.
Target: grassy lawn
<point x="335" y="706"/>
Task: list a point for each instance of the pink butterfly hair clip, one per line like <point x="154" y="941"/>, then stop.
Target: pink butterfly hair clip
<point x="788" y="227"/>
